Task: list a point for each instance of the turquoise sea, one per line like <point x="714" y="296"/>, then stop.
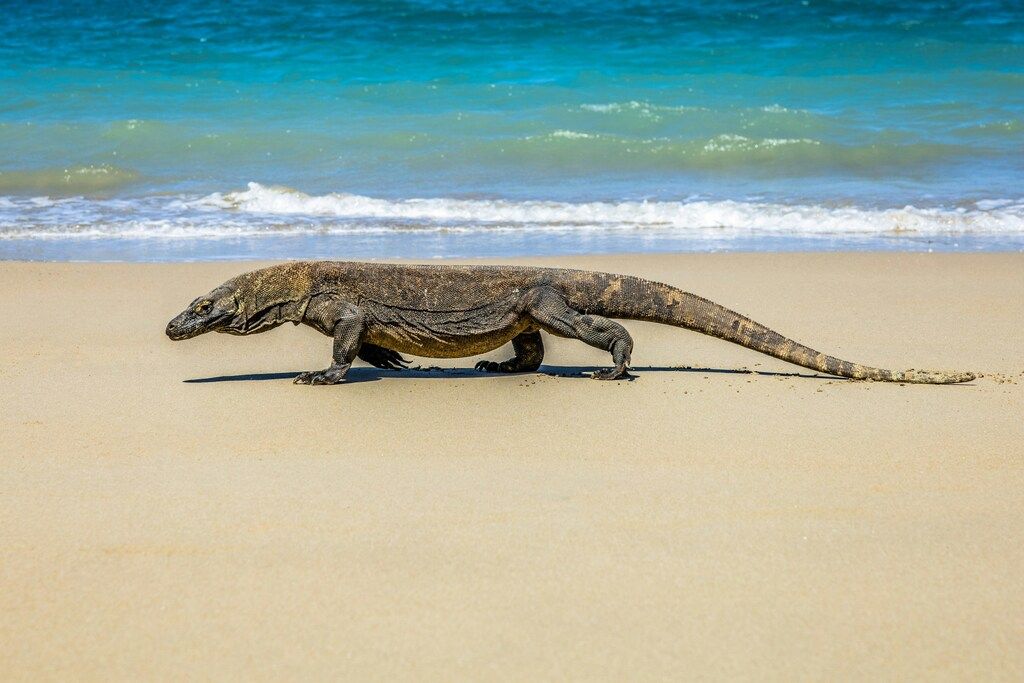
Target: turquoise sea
<point x="186" y="129"/>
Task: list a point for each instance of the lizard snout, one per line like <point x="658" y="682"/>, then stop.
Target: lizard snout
<point x="184" y="326"/>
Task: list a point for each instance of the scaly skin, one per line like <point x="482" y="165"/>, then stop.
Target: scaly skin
<point x="376" y="312"/>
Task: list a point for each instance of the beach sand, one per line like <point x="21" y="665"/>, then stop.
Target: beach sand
<point x="182" y="510"/>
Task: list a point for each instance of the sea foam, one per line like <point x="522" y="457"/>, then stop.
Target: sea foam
<point x="985" y="216"/>
<point x="268" y="210"/>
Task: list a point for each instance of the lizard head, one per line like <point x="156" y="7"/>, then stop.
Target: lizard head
<point x="213" y="312"/>
<point x="250" y="303"/>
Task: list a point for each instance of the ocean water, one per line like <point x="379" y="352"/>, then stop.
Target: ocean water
<point x="205" y="130"/>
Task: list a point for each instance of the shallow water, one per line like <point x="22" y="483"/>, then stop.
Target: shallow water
<point x="421" y="129"/>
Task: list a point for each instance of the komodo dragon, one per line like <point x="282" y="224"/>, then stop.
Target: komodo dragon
<point x="377" y="311"/>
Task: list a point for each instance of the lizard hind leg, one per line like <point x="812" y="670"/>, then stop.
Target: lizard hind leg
<point x="550" y="310"/>
<point x="529" y="352"/>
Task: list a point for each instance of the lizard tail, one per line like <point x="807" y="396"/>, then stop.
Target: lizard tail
<point x="637" y="299"/>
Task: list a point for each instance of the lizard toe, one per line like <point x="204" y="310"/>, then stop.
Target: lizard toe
<point x="613" y="373"/>
<point x="321" y="377"/>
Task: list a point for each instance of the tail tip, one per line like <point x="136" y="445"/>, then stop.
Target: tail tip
<point x="934" y="377"/>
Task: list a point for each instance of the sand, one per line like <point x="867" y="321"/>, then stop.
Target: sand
<point x="182" y="510"/>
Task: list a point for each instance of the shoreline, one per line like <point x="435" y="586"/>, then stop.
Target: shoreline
<point x="401" y="247"/>
<point x="182" y="509"/>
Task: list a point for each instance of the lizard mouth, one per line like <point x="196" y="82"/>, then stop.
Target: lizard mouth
<point x="177" y="331"/>
<point x="186" y="325"/>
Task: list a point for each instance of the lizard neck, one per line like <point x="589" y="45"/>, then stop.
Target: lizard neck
<point x="271" y="297"/>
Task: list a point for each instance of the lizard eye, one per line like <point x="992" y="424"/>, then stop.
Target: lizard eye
<point x="203" y="307"/>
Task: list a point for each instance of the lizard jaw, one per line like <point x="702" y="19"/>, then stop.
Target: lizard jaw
<point x="181" y="330"/>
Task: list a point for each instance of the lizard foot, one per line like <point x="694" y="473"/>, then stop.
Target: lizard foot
<point x="332" y="375"/>
<point x="613" y="373"/>
<point x="505" y="366"/>
<point x="379" y="357"/>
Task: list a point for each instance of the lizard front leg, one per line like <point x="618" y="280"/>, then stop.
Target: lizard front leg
<point x="349" y="329"/>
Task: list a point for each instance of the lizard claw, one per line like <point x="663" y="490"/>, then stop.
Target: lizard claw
<point x="332" y="375"/>
<point x="613" y="373"/>
<point x="399" y="363"/>
<point x="488" y="366"/>
<point x="379" y="357"/>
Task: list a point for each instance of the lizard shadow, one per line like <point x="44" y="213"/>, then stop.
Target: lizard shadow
<point x="369" y="374"/>
<point x="575" y="371"/>
<point x="354" y="376"/>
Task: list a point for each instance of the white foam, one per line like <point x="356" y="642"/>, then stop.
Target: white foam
<point x="989" y="204"/>
<point x="730" y="143"/>
<point x="685" y="215"/>
<point x="572" y="135"/>
<point x="263" y="210"/>
<point x="779" y="109"/>
<point x="643" y="108"/>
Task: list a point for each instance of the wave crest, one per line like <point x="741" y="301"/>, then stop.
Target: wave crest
<point x="262" y="210"/>
<point x="985" y="216"/>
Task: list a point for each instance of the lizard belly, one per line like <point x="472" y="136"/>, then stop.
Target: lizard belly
<point x="442" y="345"/>
<point x="444" y="334"/>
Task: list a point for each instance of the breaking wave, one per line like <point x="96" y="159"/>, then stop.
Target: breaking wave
<point x="986" y="215"/>
<point x="268" y="210"/>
